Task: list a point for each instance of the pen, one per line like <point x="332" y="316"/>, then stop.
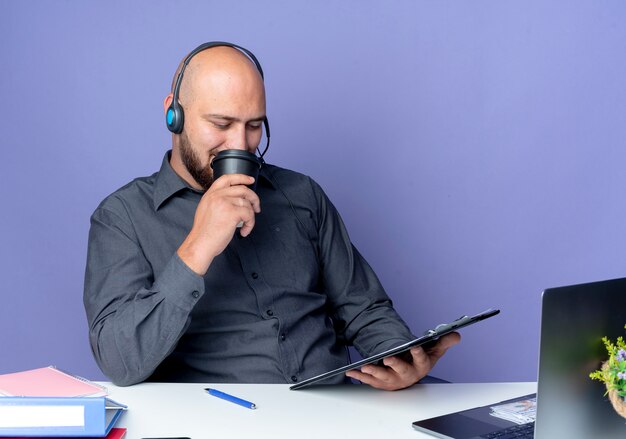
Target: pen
<point x="231" y="398"/>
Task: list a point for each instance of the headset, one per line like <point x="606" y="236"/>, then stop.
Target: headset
<point x="175" y="117"/>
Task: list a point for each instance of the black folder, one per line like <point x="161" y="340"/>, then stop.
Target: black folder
<point x="430" y="336"/>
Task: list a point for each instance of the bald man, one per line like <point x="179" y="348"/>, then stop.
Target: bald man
<point x="175" y="291"/>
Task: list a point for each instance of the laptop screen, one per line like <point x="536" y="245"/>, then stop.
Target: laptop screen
<point x="573" y="321"/>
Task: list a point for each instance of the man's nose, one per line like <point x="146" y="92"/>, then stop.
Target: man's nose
<point x="238" y="138"/>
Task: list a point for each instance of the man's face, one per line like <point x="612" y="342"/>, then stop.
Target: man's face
<point x="224" y="109"/>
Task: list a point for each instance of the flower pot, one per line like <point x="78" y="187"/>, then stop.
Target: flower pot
<point x="619" y="405"/>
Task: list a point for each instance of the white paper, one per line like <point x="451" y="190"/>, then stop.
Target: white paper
<point x="18" y="416"/>
<point x="519" y="412"/>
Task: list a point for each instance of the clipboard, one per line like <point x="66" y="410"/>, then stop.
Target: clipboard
<point x="430" y="336"/>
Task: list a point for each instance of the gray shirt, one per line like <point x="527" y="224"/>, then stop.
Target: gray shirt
<point x="278" y="306"/>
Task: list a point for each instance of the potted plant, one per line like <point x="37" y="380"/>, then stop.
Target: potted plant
<point x="613" y="374"/>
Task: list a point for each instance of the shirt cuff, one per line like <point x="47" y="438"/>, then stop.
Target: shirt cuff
<point x="180" y="284"/>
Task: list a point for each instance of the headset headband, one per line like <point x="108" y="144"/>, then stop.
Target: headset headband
<point x="205" y="46"/>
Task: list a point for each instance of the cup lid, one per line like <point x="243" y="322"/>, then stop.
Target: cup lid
<point x="237" y="154"/>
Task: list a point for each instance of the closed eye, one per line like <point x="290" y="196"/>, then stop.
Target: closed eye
<point x="221" y="126"/>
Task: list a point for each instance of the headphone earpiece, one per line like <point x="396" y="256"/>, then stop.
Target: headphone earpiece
<point x="175" y="118"/>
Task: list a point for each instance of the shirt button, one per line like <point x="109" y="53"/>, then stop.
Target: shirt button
<point x="195" y="294"/>
<point x="269" y="312"/>
<point x="282" y="337"/>
<point x="294" y="378"/>
<point x="255" y="276"/>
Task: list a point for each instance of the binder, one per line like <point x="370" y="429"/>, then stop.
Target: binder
<point x="58" y="416"/>
<point x="115" y="433"/>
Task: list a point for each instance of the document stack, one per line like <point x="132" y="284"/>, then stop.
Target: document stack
<point x="48" y="402"/>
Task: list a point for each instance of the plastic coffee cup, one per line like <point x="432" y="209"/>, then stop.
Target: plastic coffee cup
<point x="236" y="161"/>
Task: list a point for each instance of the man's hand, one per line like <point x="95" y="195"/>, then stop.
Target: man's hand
<point x="398" y="373"/>
<point x="227" y="203"/>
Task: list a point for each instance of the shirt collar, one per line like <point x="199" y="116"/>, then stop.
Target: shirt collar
<point x="168" y="182"/>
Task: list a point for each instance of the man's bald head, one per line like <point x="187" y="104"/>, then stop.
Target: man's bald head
<point x="212" y="63"/>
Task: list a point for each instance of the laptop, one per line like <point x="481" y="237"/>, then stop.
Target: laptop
<point x="569" y="404"/>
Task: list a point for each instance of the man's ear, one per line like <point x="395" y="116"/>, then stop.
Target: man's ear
<point x="167" y="102"/>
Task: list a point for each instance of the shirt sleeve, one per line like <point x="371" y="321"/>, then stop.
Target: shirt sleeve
<point x="362" y="312"/>
<point x="135" y="316"/>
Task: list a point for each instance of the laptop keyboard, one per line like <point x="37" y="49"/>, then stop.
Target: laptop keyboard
<point x="524" y="431"/>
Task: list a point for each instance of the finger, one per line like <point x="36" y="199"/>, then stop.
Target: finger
<point x="380" y="372"/>
<point x="371" y="380"/>
<point x="419" y="357"/>
<point x="360" y="376"/>
<point x="246" y="215"/>
<point x="383" y="374"/>
<point x="396" y="364"/>
<point x="253" y="199"/>
<point x="417" y="368"/>
<point x="227" y="180"/>
<point x="237" y="192"/>
<point x="410" y="371"/>
<point x="248" y="199"/>
<point x="443" y="344"/>
<point x="432" y="354"/>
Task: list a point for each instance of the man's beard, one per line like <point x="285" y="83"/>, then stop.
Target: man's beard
<point x="202" y="175"/>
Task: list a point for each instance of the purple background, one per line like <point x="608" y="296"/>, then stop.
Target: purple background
<point x="475" y="149"/>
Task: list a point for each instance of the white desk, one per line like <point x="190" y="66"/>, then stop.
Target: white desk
<point x="163" y="409"/>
